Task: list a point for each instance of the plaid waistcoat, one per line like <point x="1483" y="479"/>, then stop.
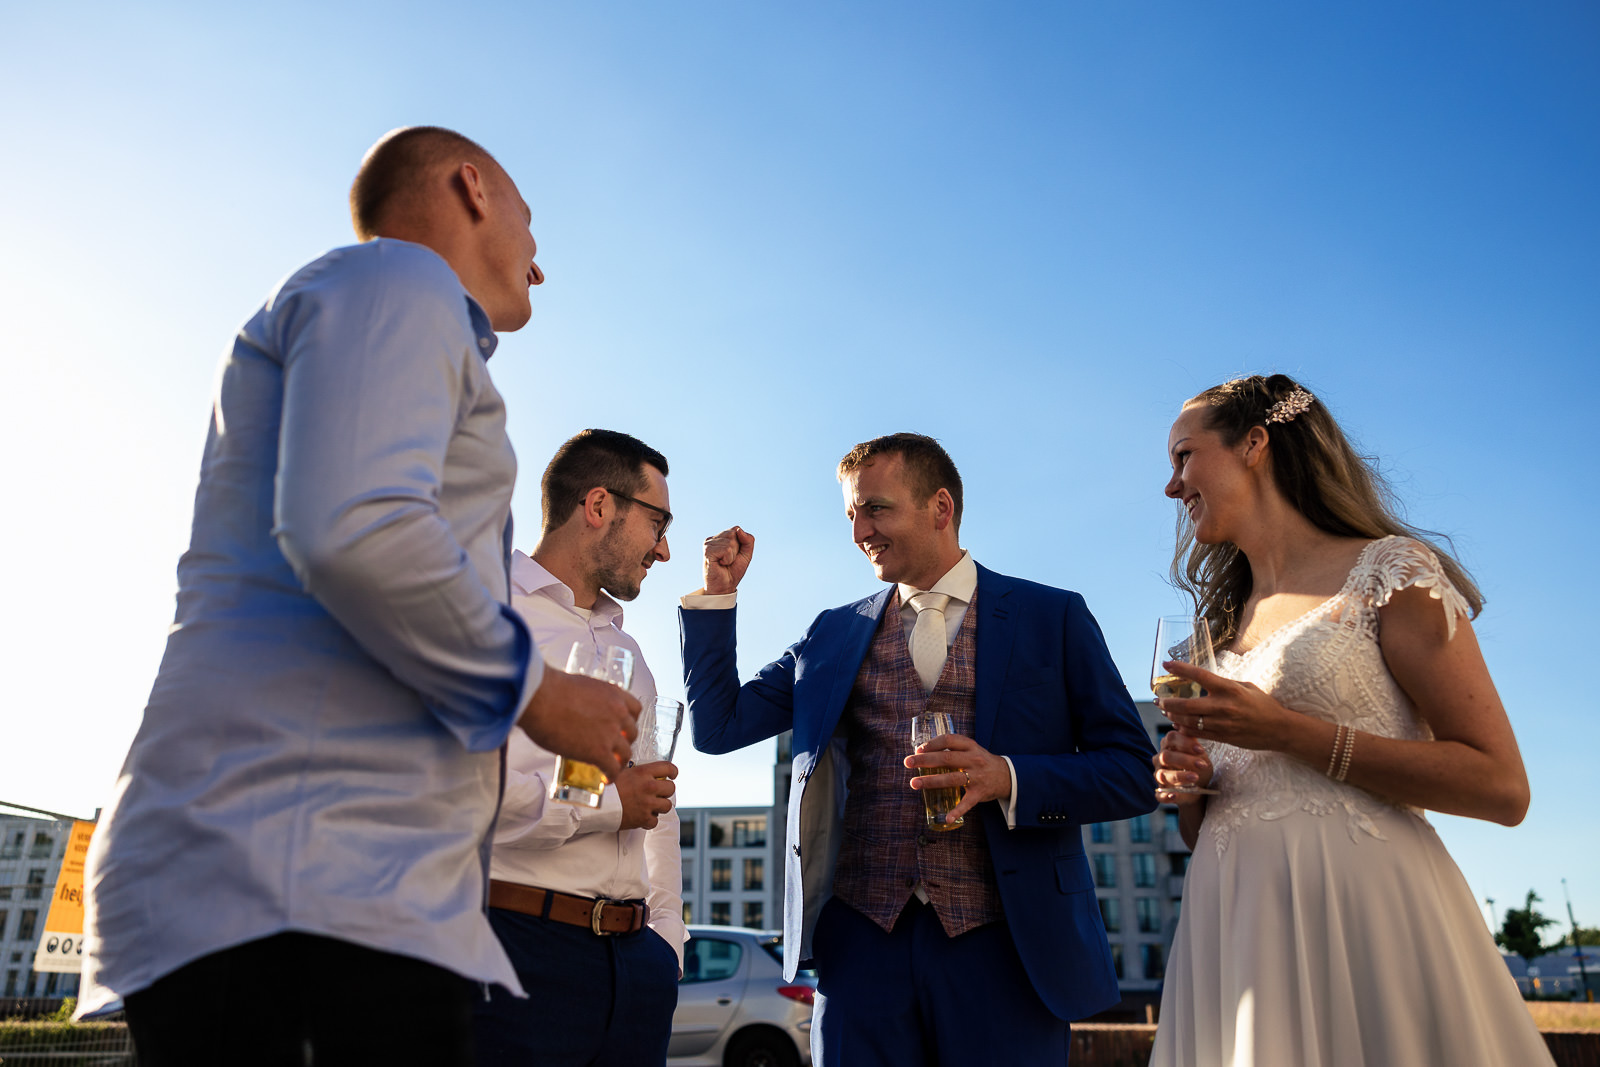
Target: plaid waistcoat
<point x="887" y="847"/>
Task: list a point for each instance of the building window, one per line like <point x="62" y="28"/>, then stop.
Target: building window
<point x="721" y="913"/>
<point x="1149" y="909"/>
<point x="4" y="915"/>
<point x="1100" y="833"/>
<point x="688" y="877"/>
<point x="1105" y="870"/>
<point x="1139" y="829"/>
<point x="42" y="844"/>
<point x="1150" y="957"/>
<point x="5" y="892"/>
<point x="749" y="832"/>
<point x="686" y="834"/>
<point x="1178" y="862"/>
<point x="25" y="924"/>
<point x="1144" y="870"/>
<point x="688" y="913"/>
<point x="721" y="874"/>
<point x="50" y="983"/>
<point x="35" y="890"/>
<point x="717" y="833"/>
<point x="11" y="983"/>
<point x="1111" y="914"/>
<point x="754" y="873"/>
<point x="13" y="846"/>
<point x="1172" y="820"/>
<point x="753" y="914"/>
<point x="1116" y="960"/>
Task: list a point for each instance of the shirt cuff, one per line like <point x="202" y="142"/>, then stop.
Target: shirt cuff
<point x="708" y="601"/>
<point x="1011" y="805"/>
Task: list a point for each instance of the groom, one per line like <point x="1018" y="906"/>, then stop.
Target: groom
<point x="932" y="946"/>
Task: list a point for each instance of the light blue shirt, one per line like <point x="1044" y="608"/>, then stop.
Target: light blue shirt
<point x="320" y="750"/>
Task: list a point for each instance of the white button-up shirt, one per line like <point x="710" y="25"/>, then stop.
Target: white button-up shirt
<point x="568" y="847"/>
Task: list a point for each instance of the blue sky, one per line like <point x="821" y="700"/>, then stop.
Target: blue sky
<point x="773" y="231"/>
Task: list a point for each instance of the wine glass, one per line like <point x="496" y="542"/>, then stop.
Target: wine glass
<point x="1188" y="640"/>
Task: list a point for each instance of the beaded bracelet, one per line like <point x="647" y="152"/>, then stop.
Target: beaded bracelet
<point x="1339" y="732"/>
<point x="1349" y="747"/>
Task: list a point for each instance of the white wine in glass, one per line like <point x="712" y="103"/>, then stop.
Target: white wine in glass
<point x="1188" y="640"/>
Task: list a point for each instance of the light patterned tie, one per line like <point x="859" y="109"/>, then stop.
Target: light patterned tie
<point x="928" y="647"/>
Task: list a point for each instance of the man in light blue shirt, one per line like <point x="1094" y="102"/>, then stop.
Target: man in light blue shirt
<point x="293" y="865"/>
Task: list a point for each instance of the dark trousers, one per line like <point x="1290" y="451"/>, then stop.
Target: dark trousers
<point x="917" y="998"/>
<point x="292" y="1000"/>
<point x="592" y="1001"/>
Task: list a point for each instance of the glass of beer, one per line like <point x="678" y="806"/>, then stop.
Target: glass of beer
<point x="577" y="782"/>
<point x="936" y="802"/>
<point x="1188" y="640"/>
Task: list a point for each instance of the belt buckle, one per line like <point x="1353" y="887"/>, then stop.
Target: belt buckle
<point x="594" y="917"/>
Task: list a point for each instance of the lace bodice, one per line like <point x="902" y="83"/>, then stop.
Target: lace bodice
<point x="1327" y="664"/>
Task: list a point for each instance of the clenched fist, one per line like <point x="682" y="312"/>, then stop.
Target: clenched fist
<point x="727" y="558"/>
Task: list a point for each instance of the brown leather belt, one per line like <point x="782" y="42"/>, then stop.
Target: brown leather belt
<point x="604" y="917"/>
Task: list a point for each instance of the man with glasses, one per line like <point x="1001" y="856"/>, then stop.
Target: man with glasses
<point x="588" y="901"/>
<point x="975" y="945"/>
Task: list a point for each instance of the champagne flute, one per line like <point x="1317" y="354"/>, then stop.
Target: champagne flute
<point x="577" y="782"/>
<point x="1188" y="640"/>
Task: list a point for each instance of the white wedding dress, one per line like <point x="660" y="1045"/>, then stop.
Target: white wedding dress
<point x="1322" y="926"/>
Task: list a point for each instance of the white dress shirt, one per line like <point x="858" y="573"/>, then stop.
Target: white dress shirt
<point x="568" y="847"/>
<point x="959" y="583"/>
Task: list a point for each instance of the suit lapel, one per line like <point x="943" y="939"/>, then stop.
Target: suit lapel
<point x="847" y="647"/>
<point x="996" y="630"/>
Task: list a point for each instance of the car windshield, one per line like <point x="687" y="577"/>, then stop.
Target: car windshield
<point x="774" y="947"/>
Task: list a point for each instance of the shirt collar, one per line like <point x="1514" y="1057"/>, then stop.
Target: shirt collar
<point x="529" y="577"/>
<point x="488" y="341"/>
<point x="958" y="583"/>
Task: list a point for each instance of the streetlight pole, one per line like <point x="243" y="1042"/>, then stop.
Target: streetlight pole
<point x="1583" y="971"/>
<point x="1494" y="920"/>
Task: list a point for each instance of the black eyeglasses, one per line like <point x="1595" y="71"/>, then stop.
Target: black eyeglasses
<point x="666" y="516"/>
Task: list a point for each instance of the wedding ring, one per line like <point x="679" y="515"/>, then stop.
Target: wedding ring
<point x="1200" y="725"/>
<point x="969" y="777"/>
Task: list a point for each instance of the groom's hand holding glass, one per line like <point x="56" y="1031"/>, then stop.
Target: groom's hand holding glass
<point x="980" y="772"/>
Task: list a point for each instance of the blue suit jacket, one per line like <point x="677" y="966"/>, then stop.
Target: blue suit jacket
<point x="1048" y="696"/>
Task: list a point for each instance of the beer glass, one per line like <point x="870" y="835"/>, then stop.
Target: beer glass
<point x="924" y="728"/>
<point x="577" y="782"/>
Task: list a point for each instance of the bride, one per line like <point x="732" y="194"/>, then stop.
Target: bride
<point x="1323" y="922"/>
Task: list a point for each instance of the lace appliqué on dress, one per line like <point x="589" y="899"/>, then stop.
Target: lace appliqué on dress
<point x="1327" y="664"/>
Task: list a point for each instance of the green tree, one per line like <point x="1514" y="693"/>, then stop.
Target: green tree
<point x="1523" y="928"/>
<point x="1587" y="935"/>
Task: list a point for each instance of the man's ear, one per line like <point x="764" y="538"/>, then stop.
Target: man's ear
<point x="469" y="183"/>
<point x="944" y="509"/>
<point x="596" y="508"/>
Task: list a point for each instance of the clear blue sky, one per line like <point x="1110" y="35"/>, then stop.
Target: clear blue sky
<point x="772" y="231"/>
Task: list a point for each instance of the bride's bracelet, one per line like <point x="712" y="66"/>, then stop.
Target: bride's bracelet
<point x="1343" y="736"/>
<point x="1349" y="747"/>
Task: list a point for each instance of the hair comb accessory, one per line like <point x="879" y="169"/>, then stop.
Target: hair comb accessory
<point x="1294" y="404"/>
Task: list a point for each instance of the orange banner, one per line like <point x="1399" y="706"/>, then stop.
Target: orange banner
<point x="61" y="945"/>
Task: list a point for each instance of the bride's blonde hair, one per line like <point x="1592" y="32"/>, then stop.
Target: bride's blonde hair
<point x="1315" y="468"/>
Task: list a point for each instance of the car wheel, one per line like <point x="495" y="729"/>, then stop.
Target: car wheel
<point x="761" y="1048"/>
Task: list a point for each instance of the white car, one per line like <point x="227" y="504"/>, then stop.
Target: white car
<point x="734" y="1008"/>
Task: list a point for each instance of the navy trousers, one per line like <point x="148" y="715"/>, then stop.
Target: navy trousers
<point x="917" y="998"/>
<point x="592" y="1001"/>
